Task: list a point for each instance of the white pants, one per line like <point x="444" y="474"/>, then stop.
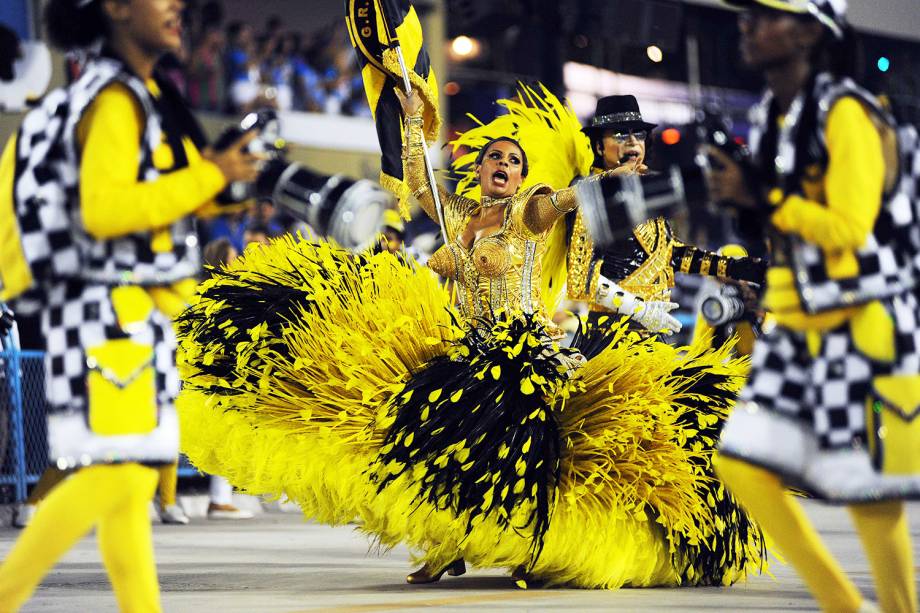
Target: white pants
<point x="220" y="490"/>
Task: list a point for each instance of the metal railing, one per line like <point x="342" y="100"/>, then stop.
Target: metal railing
<point x="23" y="430"/>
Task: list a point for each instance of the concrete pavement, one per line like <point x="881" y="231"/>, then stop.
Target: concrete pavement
<point x="278" y="563"/>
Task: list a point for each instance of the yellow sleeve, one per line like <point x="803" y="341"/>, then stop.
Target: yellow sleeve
<point x="112" y="200"/>
<point x="853" y="185"/>
<point x="543" y="210"/>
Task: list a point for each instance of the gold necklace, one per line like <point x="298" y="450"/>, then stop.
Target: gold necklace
<point x="487" y="202"/>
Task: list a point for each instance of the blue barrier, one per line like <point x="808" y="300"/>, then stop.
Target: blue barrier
<point x="186" y="469"/>
<point x="23" y="433"/>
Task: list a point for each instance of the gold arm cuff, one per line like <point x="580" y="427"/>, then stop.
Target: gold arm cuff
<point x="414" y="142"/>
<point x="706" y="265"/>
<point x="564" y="200"/>
<point x="722" y="268"/>
<point x="413" y="152"/>
<point x="685" y="263"/>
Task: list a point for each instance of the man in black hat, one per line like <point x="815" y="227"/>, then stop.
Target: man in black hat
<point x="618" y="135"/>
<point x="643" y="264"/>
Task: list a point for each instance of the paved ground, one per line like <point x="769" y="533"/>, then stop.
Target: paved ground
<point x="277" y="563"/>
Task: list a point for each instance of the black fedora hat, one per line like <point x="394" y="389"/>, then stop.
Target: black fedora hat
<point x="618" y="113"/>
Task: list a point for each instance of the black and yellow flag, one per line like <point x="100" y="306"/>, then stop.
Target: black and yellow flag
<point x="375" y="28"/>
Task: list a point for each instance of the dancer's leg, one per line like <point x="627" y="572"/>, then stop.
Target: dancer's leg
<point x="784" y="520"/>
<point x="50" y="478"/>
<point x="68" y="513"/>
<point x="126" y="543"/>
<point x="169" y="479"/>
<point x="885" y="536"/>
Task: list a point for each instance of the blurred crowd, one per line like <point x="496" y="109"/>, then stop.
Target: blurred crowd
<point x="235" y="66"/>
<point x="258" y="222"/>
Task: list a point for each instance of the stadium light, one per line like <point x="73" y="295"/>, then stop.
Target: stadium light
<point x="464" y="47"/>
<point x="671" y="136"/>
<point x="654" y="53"/>
<point x="884" y="64"/>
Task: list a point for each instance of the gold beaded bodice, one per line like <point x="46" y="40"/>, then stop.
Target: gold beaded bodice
<point x="500" y="271"/>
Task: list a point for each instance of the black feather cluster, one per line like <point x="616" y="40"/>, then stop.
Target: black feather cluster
<point x="705" y="562"/>
<point x="246" y="299"/>
<point x="480" y="421"/>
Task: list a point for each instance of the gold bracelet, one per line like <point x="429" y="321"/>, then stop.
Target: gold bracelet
<point x="685" y="262"/>
<point x="414" y="139"/>
<point x="553" y="199"/>
<point x="722" y="268"/>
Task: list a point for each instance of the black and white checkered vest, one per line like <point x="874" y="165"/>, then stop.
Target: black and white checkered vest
<point x="46" y="194"/>
<point x="888" y="262"/>
<point x="909" y="188"/>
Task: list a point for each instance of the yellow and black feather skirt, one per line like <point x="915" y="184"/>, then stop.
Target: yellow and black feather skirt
<point x="347" y="384"/>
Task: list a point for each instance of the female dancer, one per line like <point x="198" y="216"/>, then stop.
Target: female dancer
<point x="351" y="385"/>
<point x="831" y="403"/>
<point x="111" y="374"/>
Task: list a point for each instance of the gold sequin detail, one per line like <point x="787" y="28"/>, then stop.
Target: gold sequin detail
<point x="580" y="256"/>
<point x="654" y="278"/>
<point x="442" y="262"/>
<point x="491" y="257"/>
<point x="706" y="265"/>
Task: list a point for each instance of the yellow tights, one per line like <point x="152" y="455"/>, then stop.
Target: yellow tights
<point x="114" y="499"/>
<point x="169" y="479"/>
<point x="882" y="528"/>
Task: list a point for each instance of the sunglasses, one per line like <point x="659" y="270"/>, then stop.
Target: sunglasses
<point x="622" y="137"/>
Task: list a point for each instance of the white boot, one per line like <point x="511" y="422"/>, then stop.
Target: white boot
<point x="172" y="514"/>
<point x="24" y="514"/>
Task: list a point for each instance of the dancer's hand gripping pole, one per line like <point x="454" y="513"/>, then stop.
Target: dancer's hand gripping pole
<point x="407" y="85"/>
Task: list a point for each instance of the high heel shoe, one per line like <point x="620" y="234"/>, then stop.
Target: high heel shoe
<point x="426" y="575"/>
<point x="520" y="576"/>
<point x="524" y="579"/>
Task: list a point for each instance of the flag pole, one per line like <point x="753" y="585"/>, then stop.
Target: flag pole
<point x="428" y="167"/>
<point x="407" y="84"/>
